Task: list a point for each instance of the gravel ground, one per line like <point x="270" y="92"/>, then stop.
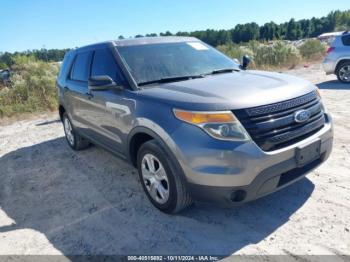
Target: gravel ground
<point x="56" y="201"/>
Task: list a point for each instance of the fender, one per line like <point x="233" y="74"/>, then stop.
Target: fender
<point x="340" y="60"/>
<point x="162" y="137"/>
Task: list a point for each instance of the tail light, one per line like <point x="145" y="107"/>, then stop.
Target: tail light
<point x="330" y="49"/>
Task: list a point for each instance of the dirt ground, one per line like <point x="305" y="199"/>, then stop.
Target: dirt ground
<point x="56" y="201"/>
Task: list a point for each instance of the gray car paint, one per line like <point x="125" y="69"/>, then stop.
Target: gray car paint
<point x="112" y="118"/>
<point x="229" y="91"/>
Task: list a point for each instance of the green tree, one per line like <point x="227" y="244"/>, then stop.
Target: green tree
<point x="294" y="31"/>
<point x="167" y="33"/>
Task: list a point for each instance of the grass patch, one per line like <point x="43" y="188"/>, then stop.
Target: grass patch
<point x="32" y="88"/>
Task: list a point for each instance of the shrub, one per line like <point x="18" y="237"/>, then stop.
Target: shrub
<point x="276" y="55"/>
<point x="312" y="49"/>
<point x="3" y="65"/>
<point x="235" y="51"/>
<point x="32" y="87"/>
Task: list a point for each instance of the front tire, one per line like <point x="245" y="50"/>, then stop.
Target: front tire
<point x="74" y="140"/>
<point x="164" y="187"/>
<point x="343" y="72"/>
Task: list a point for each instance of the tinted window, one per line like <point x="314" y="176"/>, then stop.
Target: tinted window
<point x="80" y="69"/>
<point x="346" y="40"/>
<point x="65" y="66"/>
<point x="104" y="64"/>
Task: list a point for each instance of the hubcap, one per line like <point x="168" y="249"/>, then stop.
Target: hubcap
<point x="68" y="131"/>
<point x="155" y="178"/>
<point x="344" y="73"/>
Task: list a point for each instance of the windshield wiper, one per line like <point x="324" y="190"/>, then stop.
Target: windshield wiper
<point x="223" y="70"/>
<point x="170" y="79"/>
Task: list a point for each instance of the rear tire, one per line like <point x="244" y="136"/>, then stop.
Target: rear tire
<point x="343" y="72"/>
<point x="74" y="140"/>
<point x="164" y="187"/>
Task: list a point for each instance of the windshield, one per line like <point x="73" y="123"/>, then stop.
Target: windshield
<point x="151" y="62"/>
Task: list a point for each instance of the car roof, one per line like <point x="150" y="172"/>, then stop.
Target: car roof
<point x="154" y="40"/>
<point x="140" y="41"/>
<point x="338" y="39"/>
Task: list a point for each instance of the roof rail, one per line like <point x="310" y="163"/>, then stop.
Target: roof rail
<point x="345" y="32"/>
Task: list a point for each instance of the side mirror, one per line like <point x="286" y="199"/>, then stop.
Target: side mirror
<point x="245" y="62"/>
<point x="102" y="82"/>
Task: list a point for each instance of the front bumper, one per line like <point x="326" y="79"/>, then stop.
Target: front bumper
<point x="240" y="172"/>
<point x="270" y="180"/>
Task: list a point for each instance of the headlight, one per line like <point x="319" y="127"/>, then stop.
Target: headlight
<point x="220" y="125"/>
<point x="318" y="92"/>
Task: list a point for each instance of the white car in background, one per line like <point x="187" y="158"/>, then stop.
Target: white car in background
<point x="337" y="60"/>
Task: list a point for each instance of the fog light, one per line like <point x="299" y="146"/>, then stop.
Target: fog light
<point x="238" y="195"/>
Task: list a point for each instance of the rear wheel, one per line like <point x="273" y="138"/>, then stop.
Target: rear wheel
<point x="164" y="187"/>
<point x="74" y="140"/>
<point x="343" y="72"/>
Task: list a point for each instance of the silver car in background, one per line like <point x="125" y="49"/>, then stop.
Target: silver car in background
<point x="337" y="60"/>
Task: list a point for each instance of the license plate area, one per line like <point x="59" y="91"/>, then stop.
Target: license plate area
<point x="307" y="153"/>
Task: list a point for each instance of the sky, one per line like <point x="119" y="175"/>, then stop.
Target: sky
<point x="49" y="24"/>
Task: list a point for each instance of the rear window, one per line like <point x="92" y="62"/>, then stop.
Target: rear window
<point x="346" y="40"/>
<point x="81" y="67"/>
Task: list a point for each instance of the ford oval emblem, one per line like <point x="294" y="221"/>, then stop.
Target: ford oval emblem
<point x="302" y="116"/>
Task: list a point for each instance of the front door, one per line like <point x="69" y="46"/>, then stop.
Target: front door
<point x="108" y="108"/>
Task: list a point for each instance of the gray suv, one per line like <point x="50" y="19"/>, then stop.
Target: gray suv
<point x="337" y="60"/>
<point x="197" y="125"/>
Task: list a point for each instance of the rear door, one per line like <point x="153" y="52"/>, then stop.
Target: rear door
<point x="77" y="90"/>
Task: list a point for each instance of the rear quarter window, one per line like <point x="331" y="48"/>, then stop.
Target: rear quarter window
<point x="346" y="40"/>
<point x="65" y="65"/>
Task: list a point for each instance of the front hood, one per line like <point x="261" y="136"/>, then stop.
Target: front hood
<point x="235" y="90"/>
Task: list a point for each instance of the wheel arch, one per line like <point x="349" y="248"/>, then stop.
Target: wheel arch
<point x="61" y="111"/>
<point x="136" y="138"/>
<point x="140" y="135"/>
<point x="341" y="61"/>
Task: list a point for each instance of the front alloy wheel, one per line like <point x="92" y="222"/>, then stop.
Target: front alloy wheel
<point x="163" y="183"/>
<point x="155" y="178"/>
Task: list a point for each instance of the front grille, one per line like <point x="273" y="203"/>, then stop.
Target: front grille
<point x="273" y="126"/>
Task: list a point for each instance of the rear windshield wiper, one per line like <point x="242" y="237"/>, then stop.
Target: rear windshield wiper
<point x="170" y="79"/>
<point x="223" y="70"/>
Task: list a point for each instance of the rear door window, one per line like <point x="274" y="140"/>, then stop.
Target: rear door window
<point x="346" y="40"/>
<point x="81" y="67"/>
<point x="105" y="64"/>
